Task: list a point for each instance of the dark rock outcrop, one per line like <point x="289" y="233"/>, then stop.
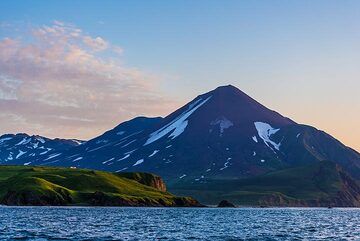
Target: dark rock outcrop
<point x="102" y="199"/>
<point x="225" y="204"/>
<point x="32" y="198"/>
<point x="147" y="179"/>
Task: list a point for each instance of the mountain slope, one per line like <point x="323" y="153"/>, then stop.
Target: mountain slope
<point x="303" y="144"/>
<point x="320" y="184"/>
<point x="222" y="134"/>
<point x="24" y="149"/>
<point x="105" y="149"/>
<point x="65" y="186"/>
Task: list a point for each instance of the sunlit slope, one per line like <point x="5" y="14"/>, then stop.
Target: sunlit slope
<point x="66" y="186"/>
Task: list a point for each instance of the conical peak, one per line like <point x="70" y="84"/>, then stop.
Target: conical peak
<point x="231" y="102"/>
<point x="230" y="93"/>
<point x="227" y="88"/>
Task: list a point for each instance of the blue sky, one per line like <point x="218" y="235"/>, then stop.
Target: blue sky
<point x="298" y="57"/>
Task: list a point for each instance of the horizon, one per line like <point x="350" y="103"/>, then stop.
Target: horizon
<point x="70" y="75"/>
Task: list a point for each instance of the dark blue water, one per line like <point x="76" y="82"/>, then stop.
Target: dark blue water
<point x="49" y="223"/>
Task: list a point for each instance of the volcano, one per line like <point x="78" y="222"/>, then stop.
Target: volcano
<point x="220" y="136"/>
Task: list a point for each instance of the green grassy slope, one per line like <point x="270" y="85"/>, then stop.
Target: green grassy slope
<point x="320" y="184"/>
<point x="64" y="186"/>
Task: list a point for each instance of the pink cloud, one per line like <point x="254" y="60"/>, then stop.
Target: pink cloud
<point x="97" y="44"/>
<point x="57" y="85"/>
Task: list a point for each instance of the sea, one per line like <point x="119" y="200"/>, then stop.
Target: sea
<point x="127" y="223"/>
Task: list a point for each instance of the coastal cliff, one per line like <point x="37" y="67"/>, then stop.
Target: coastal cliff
<point x="51" y="186"/>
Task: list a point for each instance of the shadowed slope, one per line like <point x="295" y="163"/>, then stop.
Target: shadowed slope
<point x="320" y="184"/>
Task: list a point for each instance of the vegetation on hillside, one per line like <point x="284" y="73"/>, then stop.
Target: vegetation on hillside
<point x="320" y="184"/>
<point x="65" y="186"/>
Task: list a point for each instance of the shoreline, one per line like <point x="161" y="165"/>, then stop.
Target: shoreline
<point x="161" y="207"/>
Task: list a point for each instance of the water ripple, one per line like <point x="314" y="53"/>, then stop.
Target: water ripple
<point x="90" y="223"/>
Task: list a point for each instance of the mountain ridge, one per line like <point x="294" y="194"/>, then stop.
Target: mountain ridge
<point x="222" y="134"/>
<point x="19" y="148"/>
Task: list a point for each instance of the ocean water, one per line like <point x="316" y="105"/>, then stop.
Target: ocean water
<point x="90" y="223"/>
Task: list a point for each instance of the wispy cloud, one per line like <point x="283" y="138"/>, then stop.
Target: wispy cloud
<point x="56" y="82"/>
<point x="97" y="44"/>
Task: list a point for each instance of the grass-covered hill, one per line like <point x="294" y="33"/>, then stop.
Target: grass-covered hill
<point x="320" y="184"/>
<point x="65" y="186"/>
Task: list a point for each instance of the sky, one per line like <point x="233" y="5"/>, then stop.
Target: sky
<point x="74" y="69"/>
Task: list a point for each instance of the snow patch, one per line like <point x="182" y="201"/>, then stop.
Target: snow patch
<point x="24" y="141"/>
<point x="154" y="152"/>
<point x="198" y="179"/>
<point x="123" y="158"/>
<point x="297" y="136"/>
<point x="104" y="162"/>
<point x="182" y="176"/>
<point x="223" y="124"/>
<point x="191" y="105"/>
<point x="120" y="133"/>
<point x="208" y="170"/>
<point x="130" y="135"/>
<point x="255" y="139"/>
<point x="27" y="163"/>
<point x="177" y="126"/>
<point x="5" y="139"/>
<point x="254" y="153"/>
<point x="265" y="131"/>
<point x="168" y="146"/>
<point x="35" y="145"/>
<point x="226" y="164"/>
<point x="129" y="152"/>
<point x="77" y="141"/>
<point x="52" y="156"/>
<point x="10" y="157"/>
<point x="40" y="139"/>
<point x="128" y="143"/>
<point x="20" y="154"/>
<point x="138" y="162"/>
<point x="102" y="141"/>
<point x="97" y="148"/>
<point x="78" y="159"/>
<point x="119" y="143"/>
<point x="72" y="156"/>
<point x="122" y="169"/>
<point x="262" y="160"/>
<point x="44" y="152"/>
